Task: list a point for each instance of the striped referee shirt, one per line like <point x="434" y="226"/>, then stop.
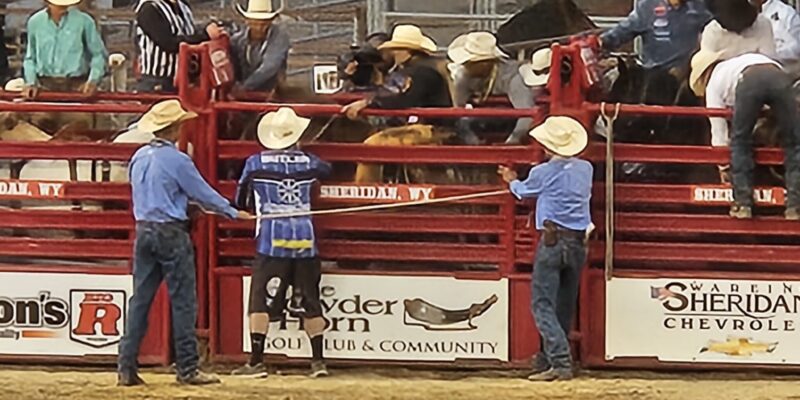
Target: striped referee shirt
<point x="161" y="26"/>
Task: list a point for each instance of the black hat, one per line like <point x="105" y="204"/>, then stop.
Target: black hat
<point x="733" y="15"/>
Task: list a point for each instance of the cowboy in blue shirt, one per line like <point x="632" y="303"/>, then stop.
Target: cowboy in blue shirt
<point x="280" y="181"/>
<point x="163" y="181"/>
<point x="670" y="31"/>
<point x="563" y="188"/>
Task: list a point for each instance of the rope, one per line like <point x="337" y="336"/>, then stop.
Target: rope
<point x="610" y="218"/>
<point x="373" y="207"/>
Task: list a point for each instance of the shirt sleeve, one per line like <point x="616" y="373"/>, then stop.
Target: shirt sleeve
<point x="766" y="45"/>
<point x="273" y="62"/>
<point x="719" y="126"/>
<point x="29" y="62"/>
<point x="423" y="80"/>
<point x="627" y="29"/>
<point x="792" y="51"/>
<point x="522" y="97"/>
<point x="244" y="188"/>
<point x="191" y="182"/>
<point x="95" y="46"/>
<point x="461" y="86"/>
<point x="530" y="187"/>
<point x="156" y="26"/>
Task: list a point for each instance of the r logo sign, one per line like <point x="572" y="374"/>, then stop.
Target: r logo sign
<point x="97" y="317"/>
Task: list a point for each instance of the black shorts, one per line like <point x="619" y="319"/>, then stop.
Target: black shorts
<point x="271" y="279"/>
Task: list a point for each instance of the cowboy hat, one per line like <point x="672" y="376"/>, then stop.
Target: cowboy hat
<point x="537" y="72"/>
<point x="702" y="62"/>
<point x="474" y="46"/>
<point x="258" y="9"/>
<point x="15" y="85"/>
<point x="409" y="37"/>
<point x="281" y="129"/>
<point x="63" y="3"/>
<point x="162" y="115"/>
<point x="563" y="136"/>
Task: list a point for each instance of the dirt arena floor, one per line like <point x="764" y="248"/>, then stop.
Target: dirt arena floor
<point x="31" y="383"/>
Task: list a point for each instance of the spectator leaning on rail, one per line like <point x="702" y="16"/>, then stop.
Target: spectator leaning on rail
<point x="280" y="180"/>
<point x="65" y="52"/>
<point x="480" y="69"/>
<point x="365" y="68"/>
<point x="161" y="26"/>
<point x="163" y="181"/>
<point x="669" y="30"/>
<point x="748" y="83"/>
<point x="261" y="50"/>
<point x="563" y="188"/>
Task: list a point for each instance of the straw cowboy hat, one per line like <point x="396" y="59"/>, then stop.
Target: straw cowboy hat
<point x="15" y="85"/>
<point x="162" y="115"/>
<point x="63" y="3"/>
<point x="258" y="9"/>
<point x="409" y="37"/>
<point x="281" y="129"/>
<point x="473" y="47"/>
<point x="563" y="136"/>
<point x="537" y="72"/>
<point x="702" y="62"/>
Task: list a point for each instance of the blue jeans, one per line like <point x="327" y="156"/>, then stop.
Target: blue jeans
<point x="764" y="85"/>
<point x="554" y="294"/>
<point x="154" y="84"/>
<point x="162" y="251"/>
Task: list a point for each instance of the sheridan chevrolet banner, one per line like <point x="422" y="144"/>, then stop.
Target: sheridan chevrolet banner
<point x="699" y="320"/>
<point x="401" y="318"/>
<point x="62" y="314"/>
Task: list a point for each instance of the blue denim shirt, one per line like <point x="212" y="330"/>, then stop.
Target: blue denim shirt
<point x="280" y="182"/>
<point x="563" y="187"/>
<point x="670" y="36"/>
<point x="163" y="180"/>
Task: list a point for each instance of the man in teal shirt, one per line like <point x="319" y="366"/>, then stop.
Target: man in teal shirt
<point x="65" y="52"/>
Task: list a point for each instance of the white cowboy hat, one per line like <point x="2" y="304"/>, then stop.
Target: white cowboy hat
<point x="63" y="3"/>
<point x="537" y="72"/>
<point x="409" y="37"/>
<point x="702" y="61"/>
<point x="474" y="46"/>
<point x="563" y="136"/>
<point x="15" y="85"/>
<point x="162" y="115"/>
<point x="258" y="9"/>
<point x="281" y="129"/>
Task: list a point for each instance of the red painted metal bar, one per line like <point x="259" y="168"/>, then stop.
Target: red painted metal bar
<point x="46" y="219"/>
<point x="78" y="97"/>
<point x="93" y="190"/>
<point x="332" y="109"/>
<point x="347" y="152"/>
<point x="678" y="154"/>
<point x="688" y="224"/>
<point x="130" y="108"/>
<point x="394" y="251"/>
<point x="67" y="151"/>
<point x="648" y="252"/>
<point x="66" y="269"/>
<point x="67" y="248"/>
<point x="672" y="111"/>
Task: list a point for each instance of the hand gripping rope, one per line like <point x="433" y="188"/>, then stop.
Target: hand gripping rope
<point x="609" y="253"/>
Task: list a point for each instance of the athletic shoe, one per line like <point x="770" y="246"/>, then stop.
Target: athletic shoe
<point x="125" y="379"/>
<point x="741" y="212"/>
<point x="552" y="374"/>
<point x="255" y="371"/>
<point x="318" y="370"/>
<point x="198" y="379"/>
<point x="792" y="214"/>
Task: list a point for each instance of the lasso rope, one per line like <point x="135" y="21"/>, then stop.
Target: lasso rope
<point x="610" y="217"/>
<point x="373" y="207"/>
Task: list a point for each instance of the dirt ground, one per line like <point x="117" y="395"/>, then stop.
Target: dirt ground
<point x="30" y="384"/>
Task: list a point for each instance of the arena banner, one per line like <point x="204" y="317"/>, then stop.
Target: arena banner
<point x="62" y="314"/>
<point x="700" y="320"/>
<point x="723" y="195"/>
<point x="376" y="193"/>
<point x="401" y="318"/>
<point x="15" y="189"/>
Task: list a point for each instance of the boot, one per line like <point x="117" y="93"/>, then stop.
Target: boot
<point x="552" y="374"/>
<point x="318" y="370"/>
<point x="199" y="378"/>
<point x="129" y="379"/>
<point x="256" y="371"/>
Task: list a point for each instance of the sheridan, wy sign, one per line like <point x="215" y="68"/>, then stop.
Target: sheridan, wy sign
<point x="14" y="189"/>
<point x="376" y="193"/>
<point x="723" y="195"/>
